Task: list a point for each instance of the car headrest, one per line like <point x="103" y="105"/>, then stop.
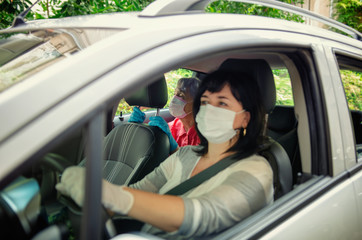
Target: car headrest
<point x="154" y="95"/>
<point x="260" y="70"/>
<point x="282" y="119"/>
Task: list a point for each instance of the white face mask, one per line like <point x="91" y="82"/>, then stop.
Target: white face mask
<point x="177" y="106"/>
<point x="216" y="124"/>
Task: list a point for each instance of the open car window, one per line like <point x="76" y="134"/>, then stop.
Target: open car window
<point x="351" y="74"/>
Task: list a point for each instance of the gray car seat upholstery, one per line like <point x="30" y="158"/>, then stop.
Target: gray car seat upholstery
<point x="260" y="70"/>
<point x="282" y="127"/>
<point x="132" y="150"/>
<point x="357" y="125"/>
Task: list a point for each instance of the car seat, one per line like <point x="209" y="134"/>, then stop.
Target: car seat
<point x="132" y="150"/>
<point x="356" y="116"/>
<point x="260" y="70"/>
<point x="282" y="127"/>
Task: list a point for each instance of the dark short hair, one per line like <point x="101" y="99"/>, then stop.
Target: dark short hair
<point x="189" y="84"/>
<point x="246" y="91"/>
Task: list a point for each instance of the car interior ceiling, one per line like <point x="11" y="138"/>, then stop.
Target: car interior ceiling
<point x="282" y="127"/>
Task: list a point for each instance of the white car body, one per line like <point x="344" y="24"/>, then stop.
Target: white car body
<point x="120" y="52"/>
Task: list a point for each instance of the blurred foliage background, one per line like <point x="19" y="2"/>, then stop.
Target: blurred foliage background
<point x="281" y="76"/>
<point x="346" y="11"/>
<point x="352" y="82"/>
<point x="171" y="78"/>
<point x="349" y="12"/>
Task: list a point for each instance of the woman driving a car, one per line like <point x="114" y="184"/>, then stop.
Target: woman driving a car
<point x="229" y="118"/>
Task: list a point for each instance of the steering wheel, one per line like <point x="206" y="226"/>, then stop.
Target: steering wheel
<point x="48" y="172"/>
<point x="57" y="164"/>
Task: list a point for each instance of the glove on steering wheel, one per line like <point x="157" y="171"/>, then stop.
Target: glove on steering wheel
<point x="114" y="197"/>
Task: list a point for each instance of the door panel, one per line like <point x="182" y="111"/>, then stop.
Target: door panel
<point x="332" y="216"/>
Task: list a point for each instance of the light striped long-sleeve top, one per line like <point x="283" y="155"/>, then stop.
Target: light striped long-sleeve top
<point x="218" y="203"/>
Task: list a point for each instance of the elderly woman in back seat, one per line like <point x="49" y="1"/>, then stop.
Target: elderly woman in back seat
<point x="181" y="131"/>
<point x="229" y="119"/>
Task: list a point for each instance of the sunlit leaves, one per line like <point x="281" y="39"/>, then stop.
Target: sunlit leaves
<point x="224" y="6"/>
<point x="352" y="82"/>
<point x="349" y="12"/>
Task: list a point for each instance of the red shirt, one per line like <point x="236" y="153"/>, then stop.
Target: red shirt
<point x="182" y="137"/>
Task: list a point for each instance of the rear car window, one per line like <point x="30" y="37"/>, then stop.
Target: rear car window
<point x="283" y="87"/>
<point x="351" y="74"/>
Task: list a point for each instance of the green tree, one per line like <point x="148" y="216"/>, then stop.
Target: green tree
<point x="224" y="6"/>
<point x="9" y="9"/>
<point x="81" y="7"/>
<point x="346" y="11"/>
<point x="349" y="12"/>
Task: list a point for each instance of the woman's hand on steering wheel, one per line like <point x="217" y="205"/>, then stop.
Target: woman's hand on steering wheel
<point x="114" y="197"/>
<point x="72" y="184"/>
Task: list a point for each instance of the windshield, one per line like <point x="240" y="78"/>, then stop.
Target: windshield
<point x="24" y="54"/>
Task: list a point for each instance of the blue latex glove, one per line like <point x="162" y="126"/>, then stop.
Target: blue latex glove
<point x="161" y="123"/>
<point x="137" y="116"/>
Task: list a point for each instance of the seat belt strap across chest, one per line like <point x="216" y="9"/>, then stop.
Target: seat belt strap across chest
<point x="203" y="176"/>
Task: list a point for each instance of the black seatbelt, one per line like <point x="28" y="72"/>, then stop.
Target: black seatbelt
<point x="204" y="175"/>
